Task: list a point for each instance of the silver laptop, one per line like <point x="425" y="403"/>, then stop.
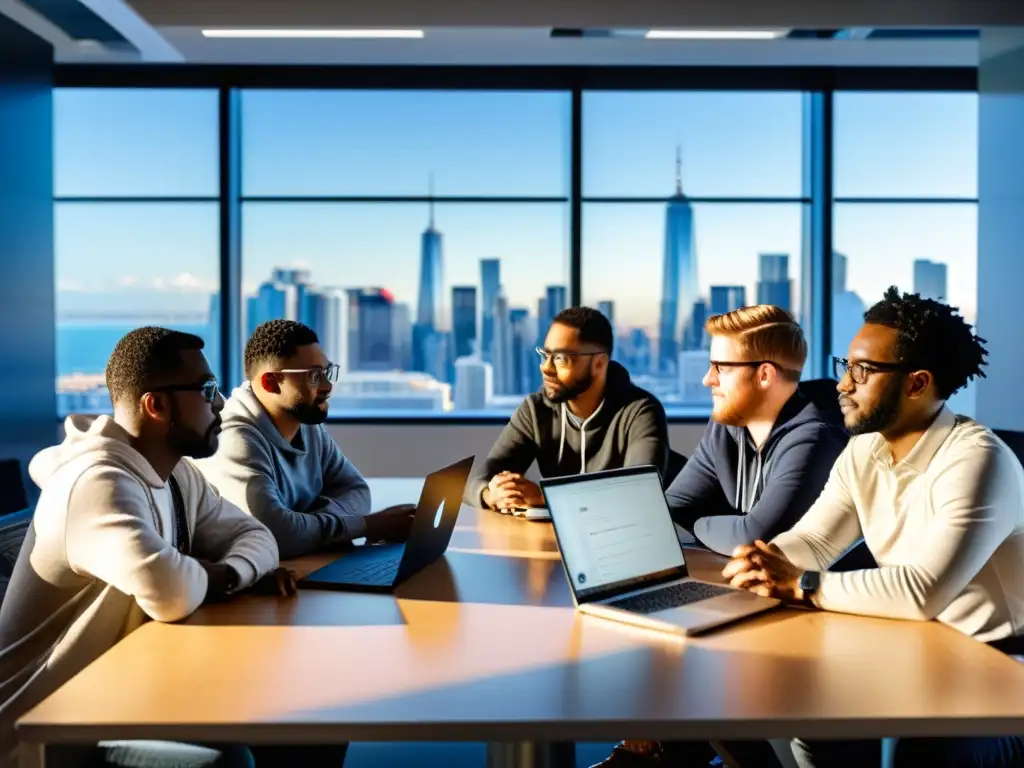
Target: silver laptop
<point x="623" y="559"/>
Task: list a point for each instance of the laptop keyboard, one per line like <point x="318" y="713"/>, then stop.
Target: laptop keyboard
<point x="674" y="596"/>
<point x="382" y="570"/>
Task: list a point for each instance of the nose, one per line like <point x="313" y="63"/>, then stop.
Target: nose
<point x="710" y="379"/>
<point x="845" y="384"/>
<point x="218" y="402"/>
<point x="547" y="366"/>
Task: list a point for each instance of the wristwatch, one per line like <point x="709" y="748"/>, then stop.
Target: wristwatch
<point x="231" y="579"/>
<point x="810" y="581"/>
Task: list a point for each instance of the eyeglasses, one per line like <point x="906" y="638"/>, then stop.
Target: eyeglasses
<point x="562" y="359"/>
<point x="314" y="374"/>
<point x="718" y="365"/>
<point x="861" y="370"/>
<point x="209" y="389"/>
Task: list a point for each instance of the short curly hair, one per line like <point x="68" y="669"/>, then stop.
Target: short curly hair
<point x="932" y="337"/>
<point x="276" y="340"/>
<point x="145" y="358"/>
<point x="591" y="326"/>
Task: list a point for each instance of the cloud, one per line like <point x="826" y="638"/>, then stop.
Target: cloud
<point x="127" y="281"/>
<point x="70" y="286"/>
<point x="185" y="282"/>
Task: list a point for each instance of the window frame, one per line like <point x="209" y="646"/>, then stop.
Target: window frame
<point x="818" y="84"/>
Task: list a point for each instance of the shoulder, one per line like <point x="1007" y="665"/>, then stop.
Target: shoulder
<point x="970" y="440"/>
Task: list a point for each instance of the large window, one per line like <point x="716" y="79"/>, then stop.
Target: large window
<point x="429" y="236"/>
<point x="424" y="235"/>
<point x="693" y="205"/>
<point x="905" y="209"/>
<point x="136" y="226"/>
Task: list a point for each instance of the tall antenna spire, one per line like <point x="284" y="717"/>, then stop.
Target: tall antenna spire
<point x="431" y="199"/>
<point x="679" y="171"/>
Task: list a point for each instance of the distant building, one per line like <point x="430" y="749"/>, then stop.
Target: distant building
<point x="490" y="285"/>
<point x="773" y="283"/>
<point x="474" y="384"/>
<point x="930" y="279"/>
<point x="726" y="298"/>
<point x="464" y="320"/>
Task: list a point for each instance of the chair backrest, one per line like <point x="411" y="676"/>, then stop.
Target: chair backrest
<point x="676" y="462"/>
<point x="12" y="487"/>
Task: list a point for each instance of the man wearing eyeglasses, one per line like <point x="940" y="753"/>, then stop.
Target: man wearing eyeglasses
<point x="937" y="498"/>
<point x="587" y="417"/>
<point x="127" y="530"/>
<point x="276" y="459"/>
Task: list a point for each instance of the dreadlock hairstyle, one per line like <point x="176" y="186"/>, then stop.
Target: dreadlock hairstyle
<point x="932" y="337"/>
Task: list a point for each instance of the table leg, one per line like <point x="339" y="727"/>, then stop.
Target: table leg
<point x="531" y="754"/>
<point x="31" y="755"/>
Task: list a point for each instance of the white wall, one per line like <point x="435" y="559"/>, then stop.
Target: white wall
<point x="1001" y="227"/>
<point x="395" y="451"/>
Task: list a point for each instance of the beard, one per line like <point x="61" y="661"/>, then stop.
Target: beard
<point x="882" y="416"/>
<point x="190" y="443"/>
<point x="566" y="392"/>
<point x="310" y="413"/>
<point x="736" y="408"/>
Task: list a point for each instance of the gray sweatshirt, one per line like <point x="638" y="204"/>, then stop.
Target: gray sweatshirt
<point x="100" y="559"/>
<point x="306" y="492"/>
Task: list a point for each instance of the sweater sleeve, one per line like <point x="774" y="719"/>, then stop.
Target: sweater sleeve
<point x="696" y="488"/>
<point x="514" y="451"/>
<point x="795" y="479"/>
<point x="111" y="535"/>
<point x="975" y="497"/>
<point x="647" y="437"/>
<point x="345" y="488"/>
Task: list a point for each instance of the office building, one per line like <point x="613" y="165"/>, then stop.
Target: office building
<point x="401" y="337"/>
<point x="501" y="346"/>
<point x="330" y="318"/>
<point x="773" y="283"/>
<point x="726" y="298"/>
<point x="693" y="367"/>
<point x="695" y="336"/>
<point x="474" y="384"/>
<point x="490" y="284"/>
<point x="679" y="281"/>
<point x="464" y="320"/>
<point x="370" y="329"/>
<point x="524" y="360"/>
<point x="930" y="279"/>
<point x="212" y="336"/>
<point x="556" y="302"/>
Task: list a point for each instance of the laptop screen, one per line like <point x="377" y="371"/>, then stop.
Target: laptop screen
<point x="614" y="530"/>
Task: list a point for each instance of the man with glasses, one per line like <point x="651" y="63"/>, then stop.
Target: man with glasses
<point x="762" y="461"/>
<point x="587" y="417"/>
<point x="938" y="499"/>
<point x="127" y="530"/>
<point x="276" y="459"/>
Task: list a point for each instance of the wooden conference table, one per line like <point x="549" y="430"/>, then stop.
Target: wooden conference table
<point x="485" y="646"/>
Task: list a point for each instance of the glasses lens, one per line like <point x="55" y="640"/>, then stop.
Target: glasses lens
<point x="331" y="372"/>
<point x="210" y="390"/>
<point x="839" y="366"/>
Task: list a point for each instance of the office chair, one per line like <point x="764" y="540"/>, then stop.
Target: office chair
<point x="676" y="462"/>
<point x="1014" y="439"/>
<point x="14" y="518"/>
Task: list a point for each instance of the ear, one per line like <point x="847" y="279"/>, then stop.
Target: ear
<point x="766" y="376"/>
<point x="153" y="406"/>
<point x="270" y="383"/>
<point x="918" y="383"/>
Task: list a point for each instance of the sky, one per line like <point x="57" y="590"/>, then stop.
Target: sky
<point x="163" y="256"/>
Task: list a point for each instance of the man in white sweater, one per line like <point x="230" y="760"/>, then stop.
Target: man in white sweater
<point x="938" y="499"/>
<point x="127" y="530"/>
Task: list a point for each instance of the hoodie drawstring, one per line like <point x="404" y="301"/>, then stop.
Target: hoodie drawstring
<point x="583" y="437"/>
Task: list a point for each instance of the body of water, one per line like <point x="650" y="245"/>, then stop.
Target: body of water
<point x="85" y="348"/>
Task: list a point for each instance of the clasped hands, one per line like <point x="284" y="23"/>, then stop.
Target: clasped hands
<point x="509" y="490"/>
<point x="762" y="569"/>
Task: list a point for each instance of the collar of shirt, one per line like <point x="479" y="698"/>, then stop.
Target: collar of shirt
<point x="924" y="451"/>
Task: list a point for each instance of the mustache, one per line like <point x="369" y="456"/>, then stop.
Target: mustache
<point x="846" y="401"/>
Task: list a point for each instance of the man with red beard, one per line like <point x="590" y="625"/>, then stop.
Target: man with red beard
<point x="761" y="463"/>
<point x="278" y="462"/>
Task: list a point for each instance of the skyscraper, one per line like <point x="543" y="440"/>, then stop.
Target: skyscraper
<point x="847" y="308"/>
<point x="607" y="308"/>
<point x="501" y="347"/>
<point x="273" y="301"/>
<point x="474" y="383"/>
<point x="430" y="310"/>
<point x="464" y="320"/>
<point x="556" y="301"/>
<point x="930" y="279"/>
<point x="696" y="337"/>
<point x="523" y="358"/>
<point x="679" y="283"/>
<point x="401" y="337"/>
<point x="329" y="308"/>
<point x="490" y="284"/>
<point x="213" y="335"/>
<point x="773" y="283"/>
<point x="370" y="329"/>
<point x="726" y="298"/>
<point x="838" y="273"/>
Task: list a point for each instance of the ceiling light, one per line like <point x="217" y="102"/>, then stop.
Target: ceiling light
<point x="315" y="33"/>
<point x="713" y="34"/>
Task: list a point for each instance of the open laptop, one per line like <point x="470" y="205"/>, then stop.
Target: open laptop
<point x="382" y="567"/>
<point x="623" y="559"/>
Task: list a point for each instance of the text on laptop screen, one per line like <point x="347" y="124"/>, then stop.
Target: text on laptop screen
<point x="613" y="529"/>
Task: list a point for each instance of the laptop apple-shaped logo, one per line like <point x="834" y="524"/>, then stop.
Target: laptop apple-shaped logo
<point x="439" y="515"/>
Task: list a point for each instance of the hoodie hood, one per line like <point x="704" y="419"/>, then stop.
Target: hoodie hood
<point x="244" y="408"/>
<point x="99" y="437"/>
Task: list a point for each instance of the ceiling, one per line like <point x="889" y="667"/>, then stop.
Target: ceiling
<point x="518" y="32"/>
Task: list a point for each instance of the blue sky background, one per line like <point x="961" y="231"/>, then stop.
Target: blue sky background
<point x="163" y="256"/>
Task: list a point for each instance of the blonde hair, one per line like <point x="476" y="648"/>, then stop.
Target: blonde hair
<point x="765" y="332"/>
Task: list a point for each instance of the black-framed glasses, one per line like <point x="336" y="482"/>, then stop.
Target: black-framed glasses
<point x="718" y="365"/>
<point x="314" y="375"/>
<point x="209" y="389"/>
<point x="560" y="358"/>
<point x="862" y="369"/>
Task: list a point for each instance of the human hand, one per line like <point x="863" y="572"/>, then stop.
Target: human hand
<point x="508" y="490"/>
<point x="280" y="582"/>
<point x="391" y="524"/>
<point x="762" y="569"/>
<point x="221" y="580"/>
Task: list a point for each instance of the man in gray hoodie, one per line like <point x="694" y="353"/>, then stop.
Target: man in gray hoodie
<point x="126" y="530"/>
<point x="276" y="459"/>
<point x="587" y="417"/>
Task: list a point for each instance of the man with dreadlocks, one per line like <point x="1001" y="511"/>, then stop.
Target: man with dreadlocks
<point x="938" y="499"/>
